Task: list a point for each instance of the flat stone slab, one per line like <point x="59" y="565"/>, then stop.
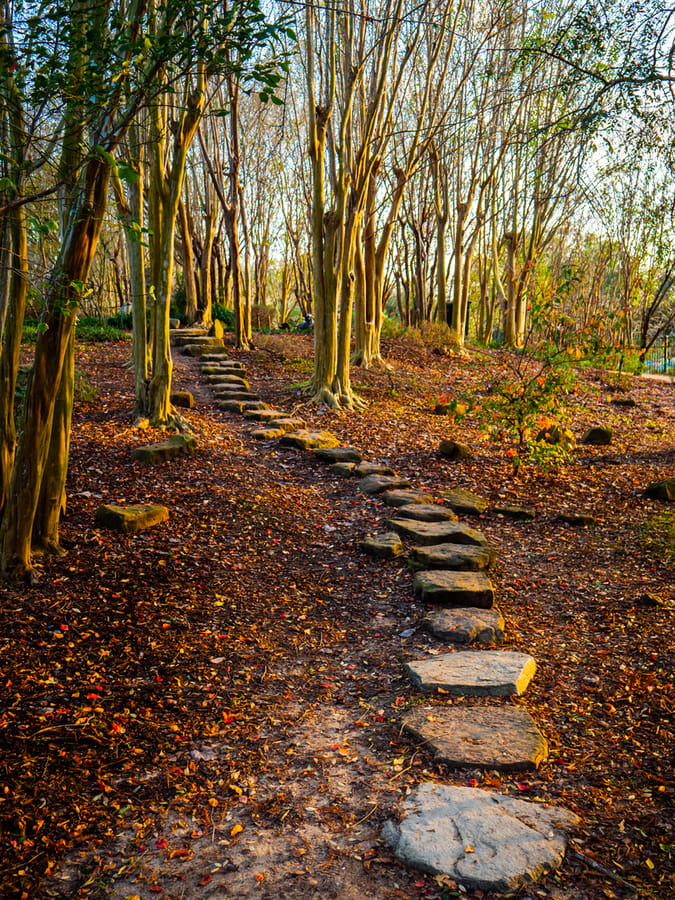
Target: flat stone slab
<point x="483" y="840"/>
<point x="215" y="368"/>
<point x="267" y="434"/>
<point x="130" y="519"/>
<point x="520" y="513"/>
<point x="454" y="588"/>
<point x="235" y="395"/>
<point x="339" y="454"/>
<point x="499" y="737"/>
<point x="288" y="423"/>
<point x="198" y="349"/>
<point x="233" y="406"/>
<point x="177" y="445"/>
<point x="343" y="469"/>
<point x="228" y="380"/>
<point x="464" y="502"/>
<point x="184" y="336"/>
<point x="465" y="625"/>
<point x="263" y="415"/>
<point x="426" y="512"/>
<point x="476" y="673"/>
<point x="404" y="498"/>
<point x="463" y="557"/>
<point x="309" y="440"/>
<point x="429" y="533"/>
<point x="218" y="354"/>
<point x="384" y="546"/>
<point x="377" y="484"/>
<point x="373" y="468"/>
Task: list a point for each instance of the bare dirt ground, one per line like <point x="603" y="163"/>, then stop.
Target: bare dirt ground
<point x="212" y="709"/>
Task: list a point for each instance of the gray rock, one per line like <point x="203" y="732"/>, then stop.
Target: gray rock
<point x="267" y="434"/>
<point x="403" y="497"/>
<point x="343" y="469"/>
<point x="476" y="673"/>
<point x="451" y="556"/>
<point x="465" y="625"/>
<point x="428" y="533"/>
<point x="426" y="512"/>
<point x="309" y="440"/>
<point x="177" y="445"/>
<point x="378" y="484"/>
<point x="464" y="502"/>
<point x="233" y="406"/>
<point x="454" y="588"/>
<point x="219" y="355"/>
<point x="486" y="841"/>
<point x="227" y="394"/>
<point x="454" y="450"/>
<point x="624" y="401"/>
<point x="521" y="513"/>
<point x="582" y="519"/>
<point x="228" y="380"/>
<point x="598" y="435"/>
<point x="339" y="454"/>
<point x="130" y="519"/>
<point x="372" y="468"/>
<point x="661" y="490"/>
<point x="263" y="415"/>
<point x="495" y="737"/>
<point x="384" y="546"/>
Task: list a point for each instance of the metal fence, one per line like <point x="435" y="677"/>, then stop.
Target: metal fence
<point x="660" y="358"/>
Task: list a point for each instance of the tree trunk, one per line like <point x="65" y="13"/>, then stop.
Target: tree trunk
<point x="187" y="253"/>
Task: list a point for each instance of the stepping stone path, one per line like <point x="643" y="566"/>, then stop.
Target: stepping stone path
<point x="130" y="519"/>
<point x="483" y="840"/>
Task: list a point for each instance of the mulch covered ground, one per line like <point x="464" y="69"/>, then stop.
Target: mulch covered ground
<point x="212" y="708"/>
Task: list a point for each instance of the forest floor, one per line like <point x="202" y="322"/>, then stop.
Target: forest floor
<point x="212" y="708"/>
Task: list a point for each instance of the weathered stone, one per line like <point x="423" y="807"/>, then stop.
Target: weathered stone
<point x="598" y="435"/>
<point x="454" y="450"/>
<point x="176" y="445"/>
<point x="483" y="840"/>
<point x="582" y="519"/>
<point x="263" y="415"/>
<point x="183" y="399"/>
<point x="198" y="349"/>
<point x="184" y="336"/>
<point x="624" y="401"/>
<point x="242" y="396"/>
<point x="305" y="439"/>
<point x="454" y="588"/>
<point x="130" y="519"/>
<point x="661" y="490"/>
<point x="378" y="484"/>
<point x="385" y="546"/>
<point x="370" y="468"/>
<point x="403" y="497"/>
<point x="218" y="329"/>
<point x="228" y="381"/>
<point x="339" y="454"/>
<point x="267" y="434"/>
<point x="465" y="625"/>
<point x="288" y="423"/>
<point x="477" y="673"/>
<point x="173" y="324"/>
<point x="233" y="406"/>
<point x="521" y="513"/>
<point x="493" y="737"/>
<point x="343" y="469"/>
<point x="428" y="533"/>
<point x="464" y="557"/>
<point x="224" y="368"/>
<point x="464" y="502"/>
<point x="426" y="512"/>
<point x="219" y="355"/>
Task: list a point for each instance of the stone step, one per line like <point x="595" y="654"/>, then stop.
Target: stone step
<point x="429" y="533"/>
<point x="268" y="433"/>
<point x="177" y="445"/>
<point x="263" y="415"/>
<point x="305" y="439"/>
<point x="372" y="468"/>
<point x="339" y="454"/>
<point x="426" y="512"/>
<point x="197" y="350"/>
<point x="384" y="546"/>
<point x="405" y="497"/>
<point x="465" y="625"/>
<point x="474" y="673"/>
<point x="452" y="588"/>
<point x="227" y="380"/>
<point x="132" y="518"/>
<point x="217" y="369"/>
<point x="465" y="557"/>
<point x="243" y="396"/>
<point x="203" y="340"/>
<point x="493" y="737"/>
<point x="483" y="840"/>
<point x="220" y="354"/>
<point x="465" y="503"/>
<point x="377" y="484"/>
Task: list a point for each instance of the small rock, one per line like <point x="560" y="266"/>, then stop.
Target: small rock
<point x="378" y="484"/>
<point x="177" y="445"/>
<point x="130" y="519"/>
<point x="371" y="468"/>
<point x="521" y="513"/>
<point x="465" y="625"/>
<point x="581" y="519"/>
<point x="464" y="557"/>
<point x="339" y="454"/>
<point x="464" y="502"/>
<point x="404" y="497"/>
<point x="649" y="601"/>
<point x="384" y="546"/>
<point x="267" y="434"/>
<point x="263" y="415"/>
<point x="454" y="588"/>
<point x="624" y="401"/>
<point x="454" y="450"/>
<point x="662" y="490"/>
<point x="309" y="440"/>
<point x="343" y="469"/>
<point x="426" y="512"/>
<point x="427" y="534"/>
<point x="233" y="406"/>
<point x="598" y="436"/>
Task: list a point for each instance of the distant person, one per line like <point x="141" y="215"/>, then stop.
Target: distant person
<point x="307" y="322"/>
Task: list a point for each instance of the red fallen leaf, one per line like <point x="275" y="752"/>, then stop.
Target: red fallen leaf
<point x="161" y="843"/>
<point x="523" y="787"/>
<point x="205" y="880"/>
<point x="335" y="747"/>
<point x="370" y="854"/>
<point x="156" y="889"/>
<point x="420" y="883"/>
<point x="93" y="696"/>
<point x="473" y="783"/>
<point x="227" y="718"/>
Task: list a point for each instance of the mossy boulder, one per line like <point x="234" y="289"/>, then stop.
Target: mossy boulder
<point x="662" y="490"/>
<point x="598" y="436"/>
<point x="184" y="399"/>
<point x="177" y="445"/>
<point x="130" y="519"/>
<point x="450" y="449"/>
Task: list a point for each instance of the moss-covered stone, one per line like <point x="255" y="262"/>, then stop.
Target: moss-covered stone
<point x="662" y="490"/>
<point x="177" y="445"/>
<point x="598" y="436"/>
<point x="130" y="519"/>
<point x="183" y="399"/>
<point x="450" y="449"/>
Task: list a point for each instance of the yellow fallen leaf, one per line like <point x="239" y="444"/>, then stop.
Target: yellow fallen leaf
<point x="469" y="849"/>
<point x="236" y="830"/>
